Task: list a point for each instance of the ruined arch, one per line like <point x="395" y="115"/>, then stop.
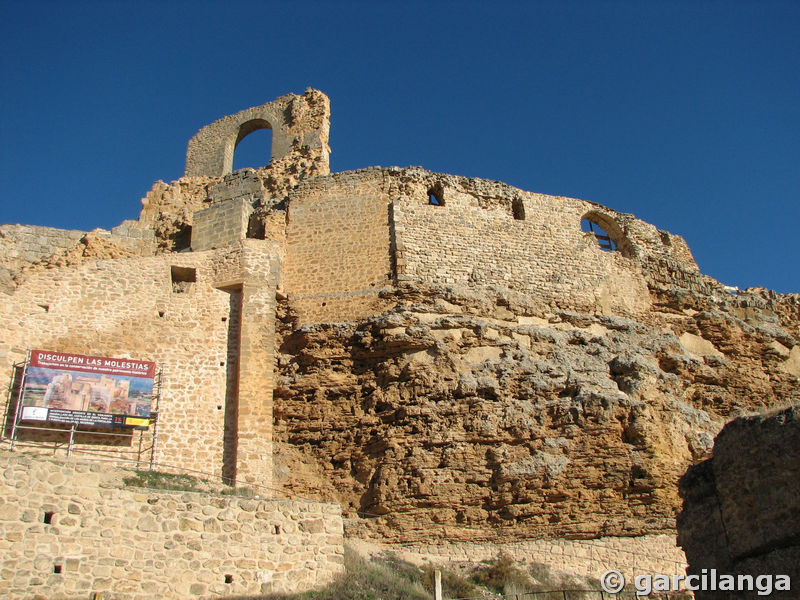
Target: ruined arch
<point x="299" y="124"/>
<point x="249" y="127"/>
<point x="606" y="232"/>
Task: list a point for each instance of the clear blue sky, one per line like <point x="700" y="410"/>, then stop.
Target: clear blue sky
<point x="686" y="114"/>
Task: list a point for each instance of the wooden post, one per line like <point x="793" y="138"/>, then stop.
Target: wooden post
<point x="437" y="585"/>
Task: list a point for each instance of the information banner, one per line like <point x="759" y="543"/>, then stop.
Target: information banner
<point x="94" y="391"/>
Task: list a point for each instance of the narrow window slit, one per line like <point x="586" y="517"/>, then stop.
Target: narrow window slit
<point x="518" y="209"/>
<point x="435" y="196"/>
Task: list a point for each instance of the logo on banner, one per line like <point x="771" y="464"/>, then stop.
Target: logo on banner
<point x="95" y="391"/>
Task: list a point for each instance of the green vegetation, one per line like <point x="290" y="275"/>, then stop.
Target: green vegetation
<point x="379" y="578"/>
<point x="158" y="480"/>
<point x="387" y="577"/>
<point x="504" y="576"/>
<point x="165" y="481"/>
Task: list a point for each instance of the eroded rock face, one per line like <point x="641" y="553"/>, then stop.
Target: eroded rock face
<point x="741" y="508"/>
<point x="475" y="410"/>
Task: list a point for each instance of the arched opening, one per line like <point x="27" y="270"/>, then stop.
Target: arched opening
<point x="608" y="235"/>
<point x="601" y="235"/>
<point x="253" y="146"/>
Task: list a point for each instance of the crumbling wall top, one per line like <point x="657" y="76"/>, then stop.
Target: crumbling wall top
<point x="299" y="124"/>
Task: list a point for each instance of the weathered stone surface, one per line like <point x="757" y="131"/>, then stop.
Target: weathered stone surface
<point x="133" y="307"/>
<point x="26" y="249"/>
<point x="299" y="125"/>
<point x="741" y="508"/>
<point x="584" y="558"/>
<point x="146" y="544"/>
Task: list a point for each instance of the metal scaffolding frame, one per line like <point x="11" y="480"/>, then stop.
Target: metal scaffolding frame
<point x="14" y="403"/>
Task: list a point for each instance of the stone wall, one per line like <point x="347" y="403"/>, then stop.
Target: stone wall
<point x="220" y="224"/>
<point x="70" y="528"/>
<point x="585" y="558"/>
<point x="175" y="310"/>
<point x="488" y="233"/>
<point x="25" y="246"/>
<point x="299" y="124"/>
<point x="741" y="508"/>
<point x="352" y="235"/>
<point x="338" y="254"/>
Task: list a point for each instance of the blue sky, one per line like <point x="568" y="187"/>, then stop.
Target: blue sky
<point x="686" y="114"/>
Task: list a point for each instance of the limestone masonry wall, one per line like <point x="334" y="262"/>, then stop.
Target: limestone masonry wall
<point x="128" y="308"/>
<point x="22" y="246"/>
<point x="488" y="233"/>
<point x="25" y="244"/>
<point x="545" y="255"/>
<point x="350" y="235"/>
<point x="77" y="529"/>
<point x="338" y="253"/>
<point x="587" y="558"/>
<point x="220" y="224"/>
<point x="174" y="310"/>
<point x="295" y="121"/>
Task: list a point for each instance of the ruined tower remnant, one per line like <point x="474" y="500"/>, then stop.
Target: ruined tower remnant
<point x="299" y="124"/>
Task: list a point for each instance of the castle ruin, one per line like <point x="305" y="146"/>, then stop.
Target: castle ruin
<point x="392" y="339"/>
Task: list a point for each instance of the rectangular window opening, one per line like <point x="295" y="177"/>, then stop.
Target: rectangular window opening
<point x="182" y="278"/>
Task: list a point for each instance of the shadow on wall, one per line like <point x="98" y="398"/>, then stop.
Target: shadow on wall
<point x="231" y="431"/>
<point x="741" y="508"/>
